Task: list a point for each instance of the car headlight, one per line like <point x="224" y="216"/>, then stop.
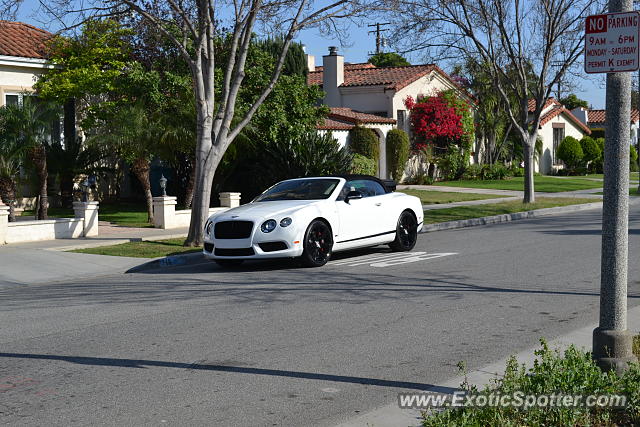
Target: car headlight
<point x="268" y="226"/>
<point x="207" y="227"/>
<point x="285" y="222"/>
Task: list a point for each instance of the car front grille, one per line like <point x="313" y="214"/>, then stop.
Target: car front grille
<point x="233" y="229"/>
<point x="272" y="246"/>
<point x="235" y="252"/>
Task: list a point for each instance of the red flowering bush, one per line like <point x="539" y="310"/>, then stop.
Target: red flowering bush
<point x="434" y="121"/>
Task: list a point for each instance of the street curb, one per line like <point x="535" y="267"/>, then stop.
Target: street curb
<point x="497" y="219"/>
<point x="169" y="261"/>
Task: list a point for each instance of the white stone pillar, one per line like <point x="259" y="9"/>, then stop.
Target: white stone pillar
<point x="164" y="211"/>
<point x="4" y="222"/>
<point x="230" y="200"/>
<point x="88" y="211"/>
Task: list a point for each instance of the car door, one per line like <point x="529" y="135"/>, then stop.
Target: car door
<point x="360" y="217"/>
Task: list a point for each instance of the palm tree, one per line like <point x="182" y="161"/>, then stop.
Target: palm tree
<point x="28" y="128"/>
<point x="136" y="137"/>
<point x="67" y="161"/>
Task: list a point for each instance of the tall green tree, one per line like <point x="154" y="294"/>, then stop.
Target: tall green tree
<point x="572" y="101"/>
<point x="388" y="59"/>
<point x="29" y="128"/>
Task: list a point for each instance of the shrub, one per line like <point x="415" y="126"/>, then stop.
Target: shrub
<point x="397" y="152"/>
<point x="572" y="372"/>
<point x="365" y="142"/>
<point x="570" y="152"/>
<point x="598" y="164"/>
<point x="633" y="159"/>
<point x="495" y="171"/>
<point x="311" y="155"/>
<point x="363" y="165"/>
<point x="452" y="164"/>
<point x="597" y="133"/>
<point x="590" y="149"/>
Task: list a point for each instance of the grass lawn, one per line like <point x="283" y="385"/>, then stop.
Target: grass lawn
<point x="437" y="197"/>
<point x="545" y="184"/>
<point x="125" y="214"/>
<point x="477" y="211"/>
<point x="156" y="249"/>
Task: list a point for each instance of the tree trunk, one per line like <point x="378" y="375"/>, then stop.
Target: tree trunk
<point x="8" y="196"/>
<point x="527" y="149"/>
<point x="66" y="190"/>
<point x="188" y="197"/>
<point x="38" y="156"/>
<point x="140" y="169"/>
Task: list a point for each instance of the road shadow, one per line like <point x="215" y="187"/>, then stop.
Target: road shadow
<point x="195" y="263"/>
<point x="143" y="364"/>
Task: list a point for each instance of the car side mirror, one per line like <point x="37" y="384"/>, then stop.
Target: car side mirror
<point x="352" y="195"/>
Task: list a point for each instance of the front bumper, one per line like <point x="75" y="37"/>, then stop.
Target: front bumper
<point x="241" y="248"/>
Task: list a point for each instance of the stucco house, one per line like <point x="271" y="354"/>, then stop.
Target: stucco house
<point x="22" y="59"/>
<point x="597" y="119"/>
<point x="556" y="123"/>
<point x="373" y="97"/>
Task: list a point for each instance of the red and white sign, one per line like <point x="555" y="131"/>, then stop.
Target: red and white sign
<point x="612" y="42"/>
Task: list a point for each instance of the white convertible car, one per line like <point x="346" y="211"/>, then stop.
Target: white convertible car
<point x="311" y="218"/>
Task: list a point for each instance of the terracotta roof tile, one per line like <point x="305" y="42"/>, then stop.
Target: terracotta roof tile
<point x="341" y="118"/>
<point x="600" y="116"/>
<point x="18" y="39"/>
<point x="555" y="112"/>
<point x="349" y="66"/>
<point x="532" y="104"/>
<point x="356" y="117"/>
<point x="368" y="75"/>
<point x="330" y="124"/>
<point x="390" y="77"/>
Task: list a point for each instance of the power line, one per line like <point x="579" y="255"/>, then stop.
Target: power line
<point x="378" y="31"/>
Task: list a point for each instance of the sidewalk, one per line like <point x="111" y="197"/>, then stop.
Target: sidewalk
<point x="47" y="261"/>
<point x="511" y="195"/>
<point x="392" y="416"/>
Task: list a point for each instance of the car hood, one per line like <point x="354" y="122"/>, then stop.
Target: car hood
<point x="260" y="210"/>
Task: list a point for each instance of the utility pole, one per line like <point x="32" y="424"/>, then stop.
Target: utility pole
<point x="612" y="341"/>
<point x="378" y="32"/>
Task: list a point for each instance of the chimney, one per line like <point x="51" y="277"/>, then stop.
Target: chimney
<point x="582" y="114"/>
<point x="332" y="77"/>
<point x="311" y="62"/>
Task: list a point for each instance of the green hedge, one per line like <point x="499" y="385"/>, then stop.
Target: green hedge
<point x="570" y="152"/>
<point x="362" y="165"/>
<point x="397" y="152"/>
<point x="365" y="142"/>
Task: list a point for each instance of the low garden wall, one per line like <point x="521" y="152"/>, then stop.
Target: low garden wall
<point x="84" y="224"/>
<point x="165" y="215"/>
<point x="51" y="229"/>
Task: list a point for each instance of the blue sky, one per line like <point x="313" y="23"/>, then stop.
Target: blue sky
<point x="360" y="44"/>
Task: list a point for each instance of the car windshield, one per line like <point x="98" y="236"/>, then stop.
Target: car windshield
<point x="300" y="189"/>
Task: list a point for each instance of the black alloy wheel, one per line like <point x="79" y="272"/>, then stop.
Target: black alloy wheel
<point x="318" y="243"/>
<point x="406" y="233"/>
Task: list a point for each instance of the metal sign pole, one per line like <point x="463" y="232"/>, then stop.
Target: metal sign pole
<point x="612" y="342"/>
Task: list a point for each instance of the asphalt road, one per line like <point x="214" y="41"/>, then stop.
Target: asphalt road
<point x="275" y="345"/>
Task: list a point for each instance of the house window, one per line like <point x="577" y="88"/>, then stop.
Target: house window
<point x="14" y="98"/>
<point x="11" y="99"/>
<point x="402" y="119"/>
<point x="558" y="136"/>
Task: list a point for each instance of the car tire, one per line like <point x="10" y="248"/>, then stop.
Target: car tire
<point x="317" y="244"/>
<point x="228" y="263"/>
<point x="406" y="232"/>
